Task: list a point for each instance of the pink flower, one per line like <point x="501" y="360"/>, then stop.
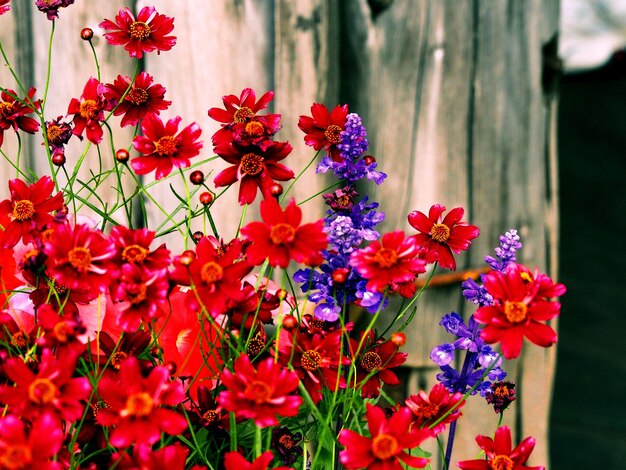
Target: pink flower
<point x="163" y="147"/>
<point x="261" y="394"/>
<point x="147" y="33"/>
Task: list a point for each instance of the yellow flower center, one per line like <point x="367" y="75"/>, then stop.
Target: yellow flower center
<point x="371" y="361"/>
<point x="210" y="416"/>
<point x="15" y="456"/>
<point x="19" y="340"/>
<point x="386" y="257"/>
<point x="259" y="392"/>
<point x="211" y="272"/>
<point x="166" y="146"/>
<point x="311" y="360"/>
<point x="54" y="132"/>
<point x="242" y="115"/>
<point x="502" y="462"/>
<point x="137" y="96"/>
<point x="515" y="312"/>
<point x="6" y="109"/>
<point x="254" y="128"/>
<point x="332" y="134"/>
<point x="117" y="359"/>
<point x="134" y="254"/>
<point x="440" y="233"/>
<point x="88" y="109"/>
<point x="140" y="31"/>
<point x="42" y="391"/>
<point x="80" y="258"/>
<point x="286" y="441"/>
<point x="23" y="210"/>
<point x="282" y="233"/>
<point x="138" y="404"/>
<point x="62" y="332"/>
<point x="384" y="446"/>
<point x="251" y="164"/>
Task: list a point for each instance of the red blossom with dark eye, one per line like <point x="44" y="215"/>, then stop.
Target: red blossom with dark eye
<point x="323" y="130"/>
<point x="520" y="307"/>
<point x="28" y="210"/>
<point x="260" y="394"/>
<point x="254" y="168"/>
<point x="88" y="111"/>
<point x="500" y="454"/>
<point x="13" y="112"/>
<point x="440" y="236"/>
<point x="142" y="99"/>
<point x="163" y="147"/>
<point x="146" y="33"/>
<point x="429" y="408"/>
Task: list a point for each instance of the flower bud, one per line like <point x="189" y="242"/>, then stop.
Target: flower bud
<point x="196" y="177"/>
<point x="276" y="189"/>
<point x="340" y="275"/>
<point x="122" y="155"/>
<point x="206" y="198"/>
<point x="398" y="338"/>
<point x="369" y="159"/>
<point x="289" y="322"/>
<point x="86" y="34"/>
<point x="58" y="159"/>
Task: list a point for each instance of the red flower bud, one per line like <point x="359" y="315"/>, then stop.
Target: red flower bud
<point x="369" y="159"/>
<point x="340" y="275"/>
<point x="58" y="159"/>
<point x="290" y="322"/>
<point x="196" y="177"/>
<point x="206" y="198"/>
<point x="122" y="155"/>
<point x="197" y="236"/>
<point x="276" y="189"/>
<point x="86" y="34"/>
<point x="398" y="338"/>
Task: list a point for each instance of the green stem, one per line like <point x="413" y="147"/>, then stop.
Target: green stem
<point x="282" y="198"/>
<point x="48" y="70"/>
<point x="95" y="58"/>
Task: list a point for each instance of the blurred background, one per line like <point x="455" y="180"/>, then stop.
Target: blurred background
<point x="512" y="109"/>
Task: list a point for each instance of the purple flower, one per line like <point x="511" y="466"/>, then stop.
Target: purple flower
<point x="476" y="293"/>
<point x="506" y="252"/>
<point x="51" y="7"/>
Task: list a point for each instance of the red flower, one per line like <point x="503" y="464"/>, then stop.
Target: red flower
<point x="189" y="342"/>
<point x="385" y="449"/>
<point x="89" y="111"/>
<point x="439" y="238"/>
<point x="4" y="6"/>
<point x="253" y="167"/>
<point x="520" y="306"/>
<point x="391" y="261"/>
<point x="143" y="98"/>
<point x="373" y="363"/>
<point x="147" y="33"/>
<point x="80" y="258"/>
<point x="13" y="112"/>
<point x="8" y="281"/>
<point x="32" y="450"/>
<point x="60" y="332"/>
<point x="133" y="246"/>
<point x="135" y="405"/>
<point x="236" y="461"/>
<point x="261" y="394"/>
<point x="29" y="209"/>
<point x="323" y="130"/>
<point x="315" y="358"/>
<point x="171" y="457"/>
<point x="499" y="454"/>
<point x="280" y="237"/>
<point x="163" y="148"/>
<point x="52" y="389"/>
<point x="427" y="409"/>
<point x="241" y="123"/>
<point x="58" y="134"/>
<point x="216" y="277"/>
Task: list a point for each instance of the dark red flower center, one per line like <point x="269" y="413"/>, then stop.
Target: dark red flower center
<point x="23" y="210"/>
<point x="343" y="202"/>
<point x="427" y="410"/>
<point x="117" y="359"/>
<point x="6" y="109"/>
<point x="440" y="233"/>
<point x="134" y="254"/>
<point x="88" y="109"/>
<point x="138" y="404"/>
<point x="311" y="360"/>
<point x="254" y="128"/>
<point x="15" y="456"/>
<point x="140" y="30"/>
<point x="384" y="446"/>
<point x="282" y="233"/>
<point x="80" y="258"/>
<point x="242" y="115"/>
<point x="501" y="391"/>
<point x="251" y="164"/>
<point x="210" y="416"/>
<point x="211" y="272"/>
<point x="166" y="146"/>
<point x="501" y="462"/>
<point x="137" y="96"/>
<point x="332" y="134"/>
<point x="54" y="132"/>
<point x="42" y="391"/>
<point x="386" y="257"/>
<point x="515" y="312"/>
<point x="259" y="392"/>
<point x="19" y="340"/>
<point x="60" y="289"/>
<point x="62" y="332"/>
<point x="371" y="361"/>
<point x="138" y="294"/>
<point x="286" y="441"/>
<point x="255" y="346"/>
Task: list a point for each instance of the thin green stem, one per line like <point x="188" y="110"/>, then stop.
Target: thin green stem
<point x="282" y="198"/>
<point x="48" y="69"/>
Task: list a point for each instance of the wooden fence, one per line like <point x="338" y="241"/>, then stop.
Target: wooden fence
<point x="454" y="93"/>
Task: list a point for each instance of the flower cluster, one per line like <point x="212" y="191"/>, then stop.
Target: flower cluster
<point x="118" y="351"/>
